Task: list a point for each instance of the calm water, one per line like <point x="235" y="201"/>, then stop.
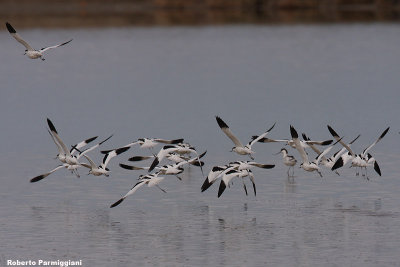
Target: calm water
<point x="170" y="83"/>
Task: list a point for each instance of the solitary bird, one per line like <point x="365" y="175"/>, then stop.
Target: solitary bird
<point x="239" y="148"/>
<point x="288" y="160"/>
<point x="29" y="51"/>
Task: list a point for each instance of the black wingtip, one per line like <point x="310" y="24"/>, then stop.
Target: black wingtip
<point x="117" y="203"/>
<point x="221" y="189"/>
<point x="267" y="166"/>
<point x="138" y="158"/>
<point x="338" y="164"/>
<point x="10" y="28"/>
<point x="293" y="132"/>
<point x="271" y="127"/>
<point x="90" y="139"/>
<point x="51" y="126"/>
<point x="106" y="151"/>
<point x="326" y="143"/>
<point x="221" y="123"/>
<point x="37" y="178"/>
<point x="154" y="164"/>
<point x="384" y="133"/>
<point x="125" y="166"/>
<point x="205" y="185"/>
<point x="377" y="169"/>
<point x="177" y="141"/>
<point x="333" y="133"/>
<point x="121" y="150"/>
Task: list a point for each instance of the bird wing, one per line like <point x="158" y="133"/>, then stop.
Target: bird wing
<point x="225" y="128"/>
<point x="161" y="154"/>
<point x="377" y="140"/>
<point x="337" y="138"/>
<point x="311" y="145"/>
<point x="82" y="144"/>
<point x="297" y="144"/>
<point x="42" y="176"/>
<point x="260" y="165"/>
<point x="175" y="141"/>
<point x="92" y="164"/>
<point x="133" y="190"/>
<point x="93" y="147"/>
<point x="130" y="167"/>
<point x="321" y="155"/>
<point x="17" y="37"/>
<point x="260" y="137"/>
<point x="54" y="46"/>
<point x="112" y="154"/>
<point x="55" y="134"/>
<point x="60" y="150"/>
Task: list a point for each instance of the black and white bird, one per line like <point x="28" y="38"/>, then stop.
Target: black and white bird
<point x="29" y="51"/>
<point x="288" y="160"/>
<point x="239" y="148"/>
<point x="307" y="165"/>
<point x="102" y="168"/>
<point x="150" y="180"/>
<point x="362" y="160"/>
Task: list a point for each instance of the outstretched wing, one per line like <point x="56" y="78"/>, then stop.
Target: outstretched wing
<point x="225" y="128"/>
<point x="298" y="146"/>
<point x="374" y="143"/>
<point x="54" y="46"/>
<point x="14" y="34"/>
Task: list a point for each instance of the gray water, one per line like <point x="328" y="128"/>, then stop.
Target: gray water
<point x="170" y="83"/>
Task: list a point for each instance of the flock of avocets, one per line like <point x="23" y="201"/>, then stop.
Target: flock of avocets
<point x="179" y="154"/>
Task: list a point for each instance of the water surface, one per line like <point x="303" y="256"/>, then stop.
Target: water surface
<point x="170" y="83"/>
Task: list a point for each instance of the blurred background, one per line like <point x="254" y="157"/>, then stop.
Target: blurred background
<point x="99" y="13"/>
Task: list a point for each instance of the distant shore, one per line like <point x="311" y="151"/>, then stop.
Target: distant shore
<point x="100" y="13"/>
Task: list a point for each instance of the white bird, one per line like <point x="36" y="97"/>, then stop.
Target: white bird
<point x="362" y="160"/>
<point x="149" y="179"/>
<point x="102" y="168"/>
<point x="288" y="160"/>
<point x="29" y="51"/>
<point x="306" y="164"/>
<point x="239" y="148"/>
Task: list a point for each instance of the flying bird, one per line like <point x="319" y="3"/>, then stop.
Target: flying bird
<point x="239" y="148"/>
<point x="29" y="51"/>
